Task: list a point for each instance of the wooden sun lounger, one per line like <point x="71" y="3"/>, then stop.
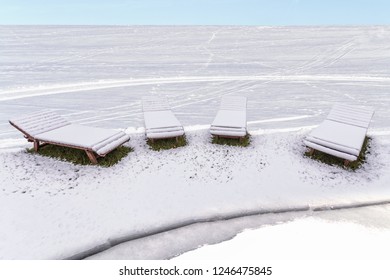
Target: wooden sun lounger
<point x="342" y="133"/>
<point x="230" y="121"/>
<point x="49" y="128"/>
<point x="160" y="122"/>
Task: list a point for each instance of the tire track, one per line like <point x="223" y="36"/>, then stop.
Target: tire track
<point x="12" y="94"/>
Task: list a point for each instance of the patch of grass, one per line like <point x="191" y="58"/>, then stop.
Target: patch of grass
<point x="168" y="143"/>
<point x="244" y="142"/>
<point x="332" y="160"/>
<point x="76" y="156"/>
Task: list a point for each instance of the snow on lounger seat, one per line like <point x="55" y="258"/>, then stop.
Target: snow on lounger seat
<point x="160" y="122"/>
<point x="231" y="118"/>
<point x="342" y="133"/>
<point x="50" y="128"/>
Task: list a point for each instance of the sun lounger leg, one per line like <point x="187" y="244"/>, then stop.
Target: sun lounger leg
<point x="91" y="157"/>
<point x="36" y="145"/>
<point x="311" y="151"/>
<point x="346" y="162"/>
<point x="177" y="139"/>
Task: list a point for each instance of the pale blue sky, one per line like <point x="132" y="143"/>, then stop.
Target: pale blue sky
<point x="196" y="12"/>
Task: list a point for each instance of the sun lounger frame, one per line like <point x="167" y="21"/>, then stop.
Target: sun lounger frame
<point x="170" y="129"/>
<point x="38" y="143"/>
<point x="231" y="104"/>
<point x="348" y="117"/>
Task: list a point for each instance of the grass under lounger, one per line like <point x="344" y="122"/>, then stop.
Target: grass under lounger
<point x="167" y="143"/>
<point x="232" y="141"/>
<point x="76" y="156"/>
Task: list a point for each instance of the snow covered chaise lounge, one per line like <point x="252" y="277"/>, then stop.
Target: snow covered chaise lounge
<point x="160" y="122"/>
<point x="230" y="121"/>
<point x="49" y="128"/>
<point x="342" y="133"/>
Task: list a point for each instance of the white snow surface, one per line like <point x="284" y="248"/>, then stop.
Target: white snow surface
<point x="98" y="75"/>
<point x="308" y="239"/>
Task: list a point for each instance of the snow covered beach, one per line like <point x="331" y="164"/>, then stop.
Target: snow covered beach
<point x="97" y="75"/>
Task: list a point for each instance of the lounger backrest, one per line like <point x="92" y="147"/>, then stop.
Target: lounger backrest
<point x="352" y="115"/>
<point x="233" y="103"/>
<point x="155" y="104"/>
<point x="40" y="122"/>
